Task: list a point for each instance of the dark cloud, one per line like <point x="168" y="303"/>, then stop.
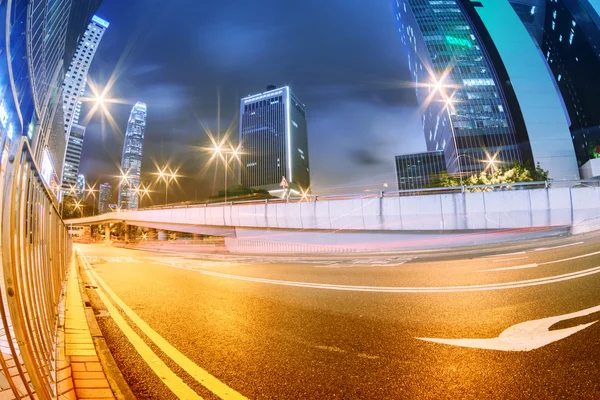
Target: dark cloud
<point x="342" y="58"/>
<point x="365" y="156"/>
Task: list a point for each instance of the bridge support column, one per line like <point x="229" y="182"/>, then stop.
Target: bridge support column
<point x="107" y="233"/>
<point x="127" y="233"/>
<point x="163" y="235"/>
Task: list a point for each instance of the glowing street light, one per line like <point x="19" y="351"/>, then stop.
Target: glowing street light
<point x="235" y="152"/>
<point x="91" y="190"/>
<point x="167" y="175"/>
<point x="124" y="177"/>
<point x="142" y="191"/>
<point x="491" y="161"/>
<point x="79" y="207"/>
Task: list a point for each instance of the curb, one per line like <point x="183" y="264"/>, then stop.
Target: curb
<point x="115" y="378"/>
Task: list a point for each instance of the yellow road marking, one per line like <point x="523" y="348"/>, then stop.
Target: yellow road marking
<point x="168" y="377"/>
<point x="201" y="375"/>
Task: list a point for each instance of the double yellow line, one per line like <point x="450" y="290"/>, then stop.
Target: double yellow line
<point x="168" y="377"/>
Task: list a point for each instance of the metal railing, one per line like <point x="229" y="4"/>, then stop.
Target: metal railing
<point x="394" y="193"/>
<point x="35" y="253"/>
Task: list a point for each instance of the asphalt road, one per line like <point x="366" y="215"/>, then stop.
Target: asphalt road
<point x="348" y="327"/>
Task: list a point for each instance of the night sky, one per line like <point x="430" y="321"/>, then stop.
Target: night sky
<point x="342" y="58"/>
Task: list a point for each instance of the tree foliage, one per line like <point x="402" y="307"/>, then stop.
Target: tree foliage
<point x="241" y="192"/>
<point x="70" y="209"/>
<point x="511" y="173"/>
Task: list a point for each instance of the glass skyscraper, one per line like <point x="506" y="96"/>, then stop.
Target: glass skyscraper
<point x="80" y="186"/>
<point x="131" y="161"/>
<point x="104" y="198"/>
<point x="76" y="77"/>
<point x="570" y="43"/>
<point x="274" y="140"/>
<point x="443" y="47"/>
<point x="73" y="88"/>
<point x="471" y="110"/>
<point x="32" y="68"/>
<point x="416" y="171"/>
<point x="73" y="158"/>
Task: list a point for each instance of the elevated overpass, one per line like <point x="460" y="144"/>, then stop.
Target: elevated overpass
<point x="421" y="219"/>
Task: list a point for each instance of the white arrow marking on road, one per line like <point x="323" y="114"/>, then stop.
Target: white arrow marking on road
<point x="525" y="336"/>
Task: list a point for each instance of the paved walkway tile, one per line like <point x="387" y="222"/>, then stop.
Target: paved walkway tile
<point x="84" y="372"/>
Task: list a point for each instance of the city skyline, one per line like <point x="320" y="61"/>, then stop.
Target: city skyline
<point x="363" y="160"/>
<point x="356" y="105"/>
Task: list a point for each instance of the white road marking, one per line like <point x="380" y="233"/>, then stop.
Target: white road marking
<point x="572" y="258"/>
<point x="509" y="268"/>
<point x="202" y="376"/>
<point x="525" y="336"/>
<point x="542" y="263"/>
<point x="558" y="247"/>
<point x="510" y="259"/>
<point x="505" y="254"/>
<point x="393" y="289"/>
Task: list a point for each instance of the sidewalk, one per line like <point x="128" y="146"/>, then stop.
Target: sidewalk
<point x="80" y="374"/>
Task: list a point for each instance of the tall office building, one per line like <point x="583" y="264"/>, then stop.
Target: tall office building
<point x="570" y="43"/>
<point x="46" y="45"/>
<point x="532" y="14"/>
<point x="73" y="157"/>
<point x="416" y="171"/>
<point x="32" y="68"/>
<point x="131" y="161"/>
<point x="80" y="187"/>
<point x="76" y="77"/>
<point x="104" y="198"/>
<point x="478" y="102"/>
<point x="274" y="140"/>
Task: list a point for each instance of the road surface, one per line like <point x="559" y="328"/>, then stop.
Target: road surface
<point x="416" y="325"/>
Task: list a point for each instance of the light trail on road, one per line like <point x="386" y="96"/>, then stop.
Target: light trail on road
<point x="383" y="289"/>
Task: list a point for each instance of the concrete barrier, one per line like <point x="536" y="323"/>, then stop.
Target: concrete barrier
<point x="435" y="214"/>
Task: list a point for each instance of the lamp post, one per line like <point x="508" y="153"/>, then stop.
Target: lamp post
<point x="448" y="106"/>
<point x="438" y="85"/>
<point x="227" y="152"/>
<point x="492" y="163"/>
<point x="91" y="190"/>
<point x="167" y="177"/>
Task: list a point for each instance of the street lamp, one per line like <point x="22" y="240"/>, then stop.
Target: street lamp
<point x="167" y="177"/>
<point x="91" y="190"/>
<point x="79" y="207"/>
<point x="492" y="163"/>
<point x="142" y="191"/>
<point x="448" y="106"/>
<point x="218" y="150"/>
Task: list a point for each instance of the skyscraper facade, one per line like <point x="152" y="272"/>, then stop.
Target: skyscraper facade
<point x="73" y="157"/>
<point x="546" y="123"/>
<point x="76" y="77"/>
<point x="416" y="171"/>
<point x="131" y="161"/>
<point x="80" y="187"/>
<point x="17" y="106"/>
<point x="104" y="198"/>
<point x="46" y="47"/>
<point x="571" y="45"/>
<point x="32" y="71"/>
<point x="274" y="141"/>
<point x="471" y="110"/>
